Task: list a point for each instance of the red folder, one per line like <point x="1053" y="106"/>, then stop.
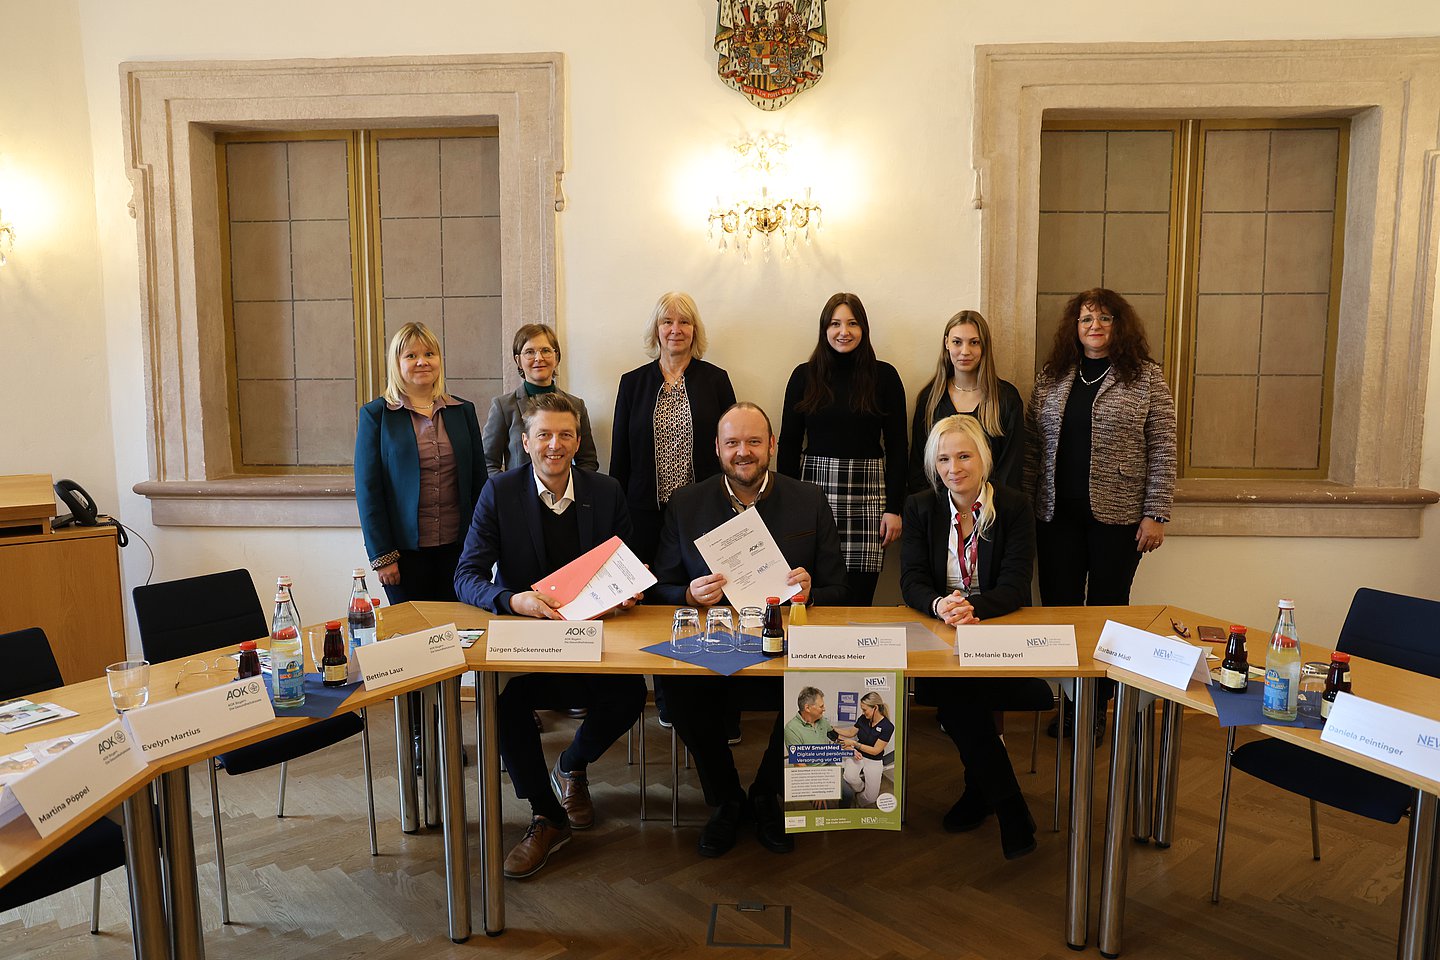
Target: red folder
<point x="566" y="583"/>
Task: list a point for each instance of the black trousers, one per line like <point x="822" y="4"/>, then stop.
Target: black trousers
<point x="1084" y="562"/>
<point x="614" y="702"/>
<point x="698" y="708"/>
<point x="426" y="574"/>
<point x="860" y="588"/>
<point x="966" y="709"/>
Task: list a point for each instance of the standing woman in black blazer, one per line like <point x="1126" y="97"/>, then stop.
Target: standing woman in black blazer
<point x="843" y="428"/>
<point x="965" y="382"/>
<point x="966" y="556"/>
<point x="666" y="413"/>
<point x="419" y="468"/>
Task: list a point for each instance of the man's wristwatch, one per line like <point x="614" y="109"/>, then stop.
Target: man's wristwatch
<point x="1158" y="519"/>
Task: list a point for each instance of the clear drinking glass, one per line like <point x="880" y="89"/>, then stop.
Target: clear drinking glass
<point x="752" y="625"/>
<point x="719" y="630"/>
<point x="129" y="684"/>
<point x="685" y="632"/>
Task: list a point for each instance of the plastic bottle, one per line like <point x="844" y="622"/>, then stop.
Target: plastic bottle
<point x="1282" y="667"/>
<point x="249" y="661"/>
<point x="335" y="664"/>
<point x="362" y="611"/>
<point x="287" y="658"/>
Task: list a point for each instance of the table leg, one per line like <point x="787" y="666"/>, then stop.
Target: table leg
<point x="1082" y="789"/>
<point x="487" y="693"/>
<point x="181" y="887"/>
<point x="142" y="871"/>
<point x="405" y="766"/>
<point x="1168" y="783"/>
<point x="430" y="751"/>
<point x="452" y="789"/>
<point x="1419" y="866"/>
<point x="1117" y="811"/>
<point x="1143" y="790"/>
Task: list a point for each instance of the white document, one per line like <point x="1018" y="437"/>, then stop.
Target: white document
<point x="392" y="661"/>
<point x="743" y="550"/>
<point x="1170" y="662"/>
<point x="557" y="641"/>
<point x="173" y="725"/>
<point x="856" y="647"/>
<point x="1027" y="645"/>
<point x="618" y="579"/>
<point x="57" y="792"/>
<point x="1383" y="733"/>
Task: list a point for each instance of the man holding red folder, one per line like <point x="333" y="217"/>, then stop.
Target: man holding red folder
<point x="529" y="522"/>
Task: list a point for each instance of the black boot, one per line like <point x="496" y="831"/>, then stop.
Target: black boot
<point x="1017" y="827"/>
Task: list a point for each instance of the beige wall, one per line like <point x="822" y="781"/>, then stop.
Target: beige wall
<point x="891" y="122"/>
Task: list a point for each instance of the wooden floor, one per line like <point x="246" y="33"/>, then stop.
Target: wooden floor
<point x="306" y="887"/>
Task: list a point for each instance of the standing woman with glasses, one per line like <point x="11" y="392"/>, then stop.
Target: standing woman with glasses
<point x="536" y="350"/>
<point x="965" y="382"/>
<point x="419" y="468"/>
<point x="843" y="428"/>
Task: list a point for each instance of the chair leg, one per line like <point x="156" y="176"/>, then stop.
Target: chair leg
<point x="95" y="909"/>
<point x="1059" y="759"/>
<point x="675" y="778"/>
<point x="1035" y="744"/>
<point x="644" y="782"/>
<point x="280" y="803"/>
<point x="1314" y="830"/>
<point x="1224" y="813"/>
<point x="369" y="780"/>
<point x="219" y="843"/>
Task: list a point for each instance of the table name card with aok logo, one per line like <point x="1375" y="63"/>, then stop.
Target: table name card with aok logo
<point x="173" y="725"/>
<point x="1383" y="733"/>
<point x="1006" y="645"/>
<point x="851" y="647"/>
<point x="61" y="789"/>
<point x="1171" y="662"/>
<point x="557" y="641"/>
<point x="412" y="655"/>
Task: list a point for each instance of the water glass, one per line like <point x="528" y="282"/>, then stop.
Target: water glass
<point x="752" y="625"/>
<point x="129" y="684"/>
<point x="719" y="630"/>
<point x="685" y="632"/>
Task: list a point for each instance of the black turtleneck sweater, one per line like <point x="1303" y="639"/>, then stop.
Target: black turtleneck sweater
<point x="1072" y="459"/>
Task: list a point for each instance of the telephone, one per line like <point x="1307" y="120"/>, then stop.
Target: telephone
<point x="82" y="510"/>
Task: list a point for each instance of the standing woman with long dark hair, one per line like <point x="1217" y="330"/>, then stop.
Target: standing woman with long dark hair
<point x="843" y="429"/>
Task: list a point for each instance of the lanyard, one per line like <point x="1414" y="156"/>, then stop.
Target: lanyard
<point x="968" y="550"/>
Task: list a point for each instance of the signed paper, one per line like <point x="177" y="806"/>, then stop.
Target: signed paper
<point x="743" y="550"/>
<point x="618" y="579"/>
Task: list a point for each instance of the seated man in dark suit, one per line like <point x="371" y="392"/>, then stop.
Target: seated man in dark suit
<point x="798" y="517"/>
<point x="531" y="521"/>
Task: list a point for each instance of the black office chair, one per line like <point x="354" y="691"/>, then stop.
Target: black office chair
<point x="1385" y="627"/>
<point x="97" y="849"/>
<point x="183" y="618"/>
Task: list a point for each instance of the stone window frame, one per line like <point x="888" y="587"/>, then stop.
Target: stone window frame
<point x="1391" y="91"/>
<point x="171" y="112"/>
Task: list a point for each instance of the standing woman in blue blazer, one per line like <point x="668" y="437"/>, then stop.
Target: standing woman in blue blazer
<point x="666" y="413"/>
<point x="419" y="468"/>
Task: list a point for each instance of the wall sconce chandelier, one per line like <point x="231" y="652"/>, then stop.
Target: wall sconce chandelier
<point x="779" y="222"/>
<point x="7" y="240"/>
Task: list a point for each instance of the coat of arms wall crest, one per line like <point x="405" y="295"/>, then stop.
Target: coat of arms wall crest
<point x="771" y="50"/>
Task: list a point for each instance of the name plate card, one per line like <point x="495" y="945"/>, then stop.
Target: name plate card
<point x="61" y="789"/>
<point x="551" y="641"/>
<point x="184" y="722"/>
<point x="854" y="647"/>
<point x="1171" y="662"/>
<point x="1050" y="645"/>
<point x="406" y="657"/>
<point x="1383" y="733"/>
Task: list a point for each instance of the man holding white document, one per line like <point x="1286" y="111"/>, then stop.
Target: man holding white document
<point x="529" y="522"/>
<point x="799" y="521"/>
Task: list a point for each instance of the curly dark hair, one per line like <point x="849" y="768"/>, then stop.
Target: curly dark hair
<point x="1129" y="350"/>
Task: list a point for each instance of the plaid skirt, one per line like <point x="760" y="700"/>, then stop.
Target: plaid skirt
<point x="856" y="491"/>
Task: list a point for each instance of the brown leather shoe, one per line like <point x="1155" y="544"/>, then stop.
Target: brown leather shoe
<point x="573" y="789"/>
<point x="542" y="839"/>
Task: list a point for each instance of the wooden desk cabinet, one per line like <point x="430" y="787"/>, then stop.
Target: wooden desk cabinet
<point x="67" y="582"/>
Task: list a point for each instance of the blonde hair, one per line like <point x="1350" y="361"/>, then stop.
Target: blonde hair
<point x="968" y="425"/>
<point x="873" y="699"/>
<point x="394" y="383"/>
<point x="683" y="304"/>
<point x="988" y="411"/>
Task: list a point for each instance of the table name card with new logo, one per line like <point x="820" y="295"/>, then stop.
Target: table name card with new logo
<point x="1171" y="662"/>
<point x="552" y="641"/>
<point x="1383" y="733"/>
<point x="61" y="789"/>
<point x="853" y="647"/>
<point x="1006" y="645"/>
<point x="173" y="725"/>
<point x="409" y="656"/>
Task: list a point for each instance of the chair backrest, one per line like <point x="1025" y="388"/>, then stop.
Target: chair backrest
<point x="29" y="664"/>
<point x="184" y="617"/>
<point x="1395" y="629"/>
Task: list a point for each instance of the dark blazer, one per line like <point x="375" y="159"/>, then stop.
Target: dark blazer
<point x="504" y="427"/>
<point x="387" y="472"/>
<point x="632" y="441"/>
<point x="1007" y="451"/>
<point x="796" y="513"/>
<point x="1007" y="553"/>
<point x="505" y="530"/>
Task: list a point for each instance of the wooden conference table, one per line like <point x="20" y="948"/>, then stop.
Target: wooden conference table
<point x="164" y="905"/>
<point x="1402" y="689"/>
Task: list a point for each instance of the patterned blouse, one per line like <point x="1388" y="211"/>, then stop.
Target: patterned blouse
<point x="674" y="441"/>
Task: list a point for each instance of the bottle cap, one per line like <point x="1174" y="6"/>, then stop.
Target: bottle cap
<point x="798" y="598"/>
<point x="332" y="624"/>
<point x="280" y="596"/>
<point x="283" y="581"/>
<point x="1287" y="604"/>
<point x="1339" y="657"/>
<point x="246" y="645"/>
<point x="375" y="603"/>
<point x="358" y="572"/>
<point x="772" y="600"/>
<point x="1237" y="628"/>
